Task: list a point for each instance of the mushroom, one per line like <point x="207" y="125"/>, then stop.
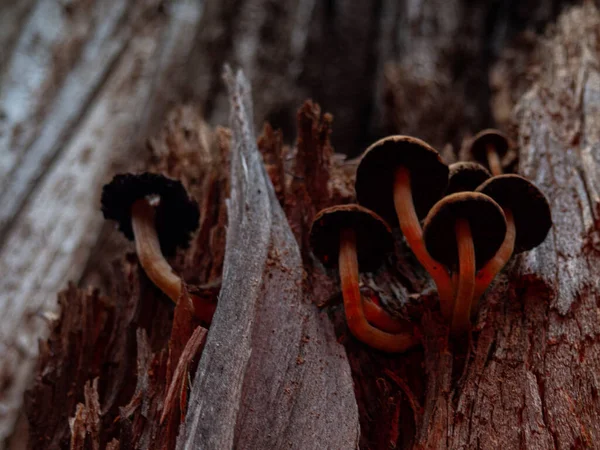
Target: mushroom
<point x="464" y="230"/>
<point x="528" y="221"/>
<point x="400" y="178"/>
<point x="465" y="176"/>
<point x="489" y="147"/>
<point x="158" y="214"/>
<point x="349" y="236"/>
<point x="378" y="317"/>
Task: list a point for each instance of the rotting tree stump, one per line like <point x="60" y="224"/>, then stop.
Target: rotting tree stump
<point x="273" y="371"/>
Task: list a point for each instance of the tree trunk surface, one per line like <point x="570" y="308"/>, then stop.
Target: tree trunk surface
<point x="119" y="368"/>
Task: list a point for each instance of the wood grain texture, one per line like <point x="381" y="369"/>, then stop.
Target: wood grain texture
<point x="130" y="339"/>
<point x="359" y="59"/>
<point x="80" y="117"/>
<point x="532" y="381"/>
<point x="272" y="374"/>
<point x="83" y="84"/>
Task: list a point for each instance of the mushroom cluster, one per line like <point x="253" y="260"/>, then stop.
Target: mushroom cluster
<point x="473" y="222"/>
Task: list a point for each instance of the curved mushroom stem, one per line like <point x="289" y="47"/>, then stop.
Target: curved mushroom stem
<point x="154" y="263"/>
<point x="493" y="160"/>
<point x="355" y="317"/>
<point x="379" y="318"/>
<point x="461" y="318"/>
<point x="454" y="281"/>
<point x="489" y="271"/>
<point x="411" y="228"/>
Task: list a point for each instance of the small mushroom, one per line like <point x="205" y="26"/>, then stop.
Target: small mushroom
<point x="400" y="178"/>
<point x="465" y="176"/>
<point x="349" y="236"/>
<point x="489" y="147"/>
<point x="528" y="221"/>
<point x="464" y="230"/>
<point x="158" y="214"/>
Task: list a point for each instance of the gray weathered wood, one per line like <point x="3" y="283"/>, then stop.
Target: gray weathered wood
<point x="272" y="374"/>
<point x="75" y="132"/>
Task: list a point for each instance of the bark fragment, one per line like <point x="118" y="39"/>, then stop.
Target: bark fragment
<point x="266" y="332"/>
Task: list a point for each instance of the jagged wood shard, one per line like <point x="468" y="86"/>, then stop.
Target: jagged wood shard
<point x="272" y="374"/>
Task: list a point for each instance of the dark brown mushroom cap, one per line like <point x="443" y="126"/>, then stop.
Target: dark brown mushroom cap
<point x="528" y="204"/>
<point x="375" y="175"/>
<point x="466" y="176"/>
<point x="487" y="221"/>
<point x="177" y="214"/>
<point x="373" y="236"/>
<point x="490" y="136"/>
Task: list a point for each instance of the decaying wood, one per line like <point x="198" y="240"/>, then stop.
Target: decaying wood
<point x="283" y="328"/>
<point x="123" y="338"/>
<point x="532" y="379"/>
<point x="271" y="362"/>
<point x="528" y="381"/>
<point x="83" y="84"/>
<point x="429" y="58"/>
<point x="70" y="114"/>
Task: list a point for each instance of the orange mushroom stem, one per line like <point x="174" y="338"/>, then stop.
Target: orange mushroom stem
<point x="493" y="159"/>
<point x="489" y="271"/>
<point x="353" y="305"/>
<point x="379" y="318"/>
<point x="461" y="317"/>
<point x="411" y="228"/>
<point x="154" y="263"/>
